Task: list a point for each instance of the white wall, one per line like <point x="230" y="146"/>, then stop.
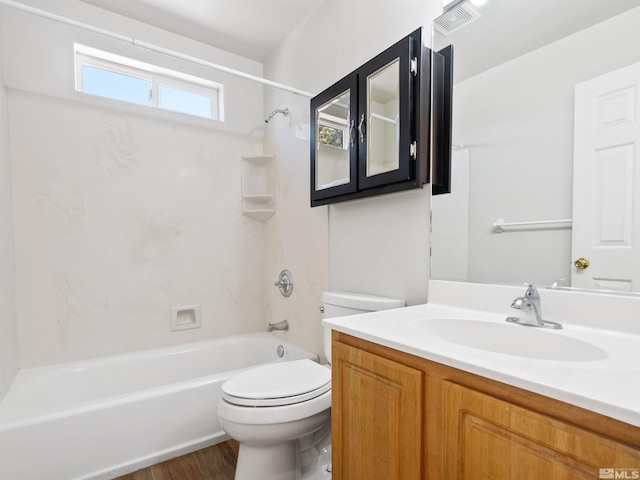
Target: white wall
<point x="8" y="323"/>
<point x="377" y="246"/>
<point x="450" y="224"/>
<point x="121" y="213"/>
<point x="517" y="122"/>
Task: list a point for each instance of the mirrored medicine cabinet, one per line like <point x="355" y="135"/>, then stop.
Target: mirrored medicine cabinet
<point x="371" y="132"/>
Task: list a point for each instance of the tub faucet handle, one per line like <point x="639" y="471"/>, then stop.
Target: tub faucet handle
<point x="285" y="283"/>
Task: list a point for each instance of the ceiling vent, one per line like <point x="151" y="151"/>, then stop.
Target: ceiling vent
<point x="456" y="18"/>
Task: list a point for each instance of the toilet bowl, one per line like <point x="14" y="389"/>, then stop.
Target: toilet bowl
<point x="280" y="413"/>
<point x="268" y="408"/>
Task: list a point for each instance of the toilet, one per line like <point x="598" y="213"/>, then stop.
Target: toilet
<point x="280" y="413"/>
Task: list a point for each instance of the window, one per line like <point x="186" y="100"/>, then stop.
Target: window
<point x="111" y="84"/>
<point x="120" y="78"/>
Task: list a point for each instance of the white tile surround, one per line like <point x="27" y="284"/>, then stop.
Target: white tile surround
<point x="119" y="213"/>
<point x="117" y="218"/>
<point x="296" y="237"/>
<point x="8" y="321"/>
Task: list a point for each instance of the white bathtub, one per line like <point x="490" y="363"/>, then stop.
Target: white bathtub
<point x="101" y="418"/>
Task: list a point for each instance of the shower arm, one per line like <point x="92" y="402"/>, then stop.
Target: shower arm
<point x="285" y="112"/>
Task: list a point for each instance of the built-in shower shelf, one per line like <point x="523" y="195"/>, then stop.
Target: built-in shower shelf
<point x="259" y="215"/>
<point x="258" y="187"/>
<point x="258" y="198"/>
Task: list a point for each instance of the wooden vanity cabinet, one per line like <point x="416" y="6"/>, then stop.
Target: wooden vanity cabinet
<point x="397" y="416"/>
<point x="378" y="410"/>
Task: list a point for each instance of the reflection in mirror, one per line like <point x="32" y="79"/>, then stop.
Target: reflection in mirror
<point x="332" y="156"/>
<point x="527" y="76"/>
<point x="382" y="127"/>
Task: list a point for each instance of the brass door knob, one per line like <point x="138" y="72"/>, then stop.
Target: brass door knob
<point x="581" y="263"/>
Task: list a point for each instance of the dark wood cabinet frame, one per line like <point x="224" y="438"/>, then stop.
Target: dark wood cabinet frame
<point x="420" y="122"/>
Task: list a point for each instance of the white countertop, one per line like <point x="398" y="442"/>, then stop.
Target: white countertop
<point x="607" y="383"/>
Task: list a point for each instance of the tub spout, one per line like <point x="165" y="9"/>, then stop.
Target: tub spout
<point x="283" y="325"/>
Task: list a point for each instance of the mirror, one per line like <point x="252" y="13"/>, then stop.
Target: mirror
<point x="383" y="97"/>
<point x="516" y="68"/>
<point x="332" y="164"/>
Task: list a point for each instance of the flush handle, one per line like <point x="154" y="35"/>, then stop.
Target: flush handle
<point x="581" y="263"/>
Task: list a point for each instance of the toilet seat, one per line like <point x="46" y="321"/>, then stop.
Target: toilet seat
<point x="278" y="384"/>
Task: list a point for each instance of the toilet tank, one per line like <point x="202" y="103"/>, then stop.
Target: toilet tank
<point x="340" y="304"/>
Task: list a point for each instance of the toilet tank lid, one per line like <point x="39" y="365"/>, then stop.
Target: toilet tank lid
<point x="361" y="301"/>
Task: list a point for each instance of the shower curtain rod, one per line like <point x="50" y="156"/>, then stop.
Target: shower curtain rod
<point x="152" y="47"/>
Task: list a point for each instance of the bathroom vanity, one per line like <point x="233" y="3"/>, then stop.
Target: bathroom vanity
<point x="398" y="416"/>
<point x="411" y="403"/>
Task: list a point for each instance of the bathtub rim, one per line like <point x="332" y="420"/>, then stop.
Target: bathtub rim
<point x="8" y="424"/>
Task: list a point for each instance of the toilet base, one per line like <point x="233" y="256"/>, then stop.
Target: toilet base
<point x="320" y="468"/>
<point x="281" y="462"/>
<point x="315" y="454"/>
<point x="277" y="443"/>
<point x="273" y="462"/>
<point x="279" y="451"/>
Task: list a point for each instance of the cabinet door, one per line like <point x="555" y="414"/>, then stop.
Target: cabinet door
<point x="385" y="116"/>
<point x="377" y="417"/>
<point x="333" y="140"/>
<point x="489" y="438"/>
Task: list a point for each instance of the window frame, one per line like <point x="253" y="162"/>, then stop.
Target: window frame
<point x="156" y="75"/>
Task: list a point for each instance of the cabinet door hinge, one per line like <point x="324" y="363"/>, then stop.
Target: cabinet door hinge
<point x="414" y="66"/>
<point x="413" y="150"/>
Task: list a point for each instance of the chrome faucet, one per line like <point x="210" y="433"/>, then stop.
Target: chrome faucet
<point x="530" y="310"/>
<point x="283" y="325"/>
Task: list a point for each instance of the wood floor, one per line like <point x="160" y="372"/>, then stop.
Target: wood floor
<point x="217" y="462"/>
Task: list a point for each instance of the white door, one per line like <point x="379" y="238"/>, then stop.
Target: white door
<point x="606" y="181"/>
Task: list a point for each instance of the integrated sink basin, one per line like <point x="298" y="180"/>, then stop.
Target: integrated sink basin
<point x="507" y="338"/>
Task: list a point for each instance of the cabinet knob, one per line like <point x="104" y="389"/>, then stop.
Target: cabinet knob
<point x="581" y="263"/>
